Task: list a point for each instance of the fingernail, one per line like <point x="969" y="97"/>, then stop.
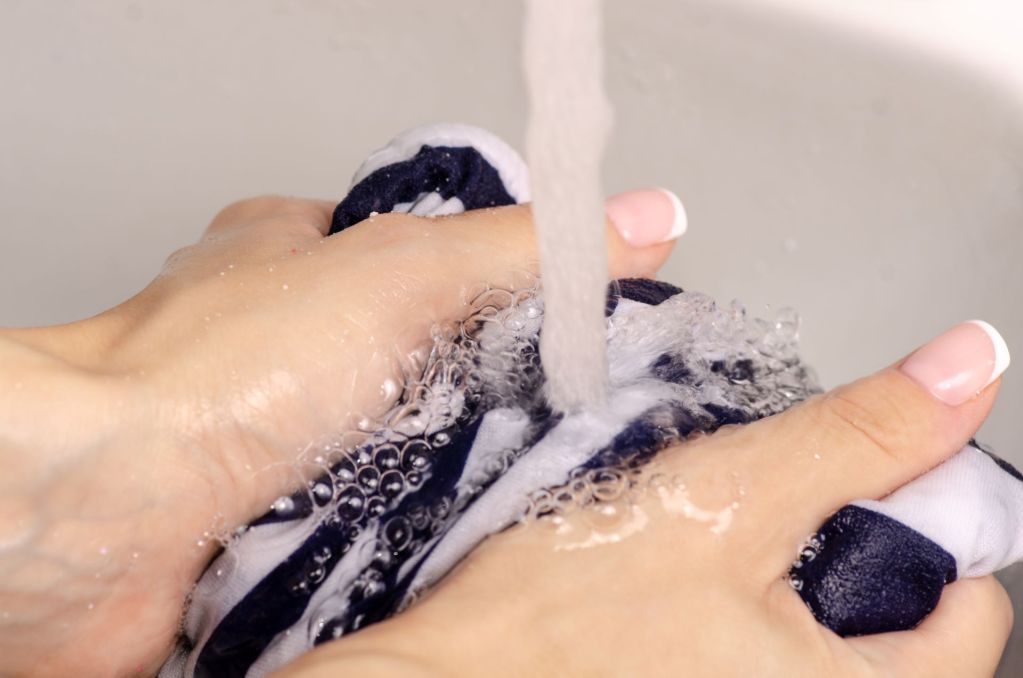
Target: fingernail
<point x="960" y="363"/>
<point x="647" y="216"/>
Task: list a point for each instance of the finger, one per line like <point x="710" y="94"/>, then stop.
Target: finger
<point x="865" y="439"/>
<point x="964" y="636"/>
<point x="640" y="232"/>
<point x="448" y="255"/>
<point x="271" y="211"/>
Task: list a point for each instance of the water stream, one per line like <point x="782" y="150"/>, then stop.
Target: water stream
<point x="569" y="120"/>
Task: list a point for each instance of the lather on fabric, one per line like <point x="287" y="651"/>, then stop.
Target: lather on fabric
<point x="472" y="446"/>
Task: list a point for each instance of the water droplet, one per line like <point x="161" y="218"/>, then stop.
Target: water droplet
<point x="398" y="533"/>
<point x="391" y="484"/>
<point x="368" y="477"/>
<point x="376" y="506"/>
<point x="345" y="470"/>
<point x="316" y="575"/>
<point x="440" y="508"/>
<point x="389" y="389"/>
<point x="415" y="456"/>
<point x="283" y="505"/>
<point x="322" y="493"/>
<point x="386" y="457"/>
<point x="351" y="503"/>
<point x="419" y="516"/>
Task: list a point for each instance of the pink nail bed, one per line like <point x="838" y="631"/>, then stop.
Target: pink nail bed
<point x="959" y="364"/>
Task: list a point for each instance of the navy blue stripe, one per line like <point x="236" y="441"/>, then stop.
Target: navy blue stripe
<point x="651" y="292"/>
<point x="280" y="599"/>
<point x="460" y="172"/>
<point x="871" y="574"/>
<point x="368" y="604"/>
<point x="650" y="433"/>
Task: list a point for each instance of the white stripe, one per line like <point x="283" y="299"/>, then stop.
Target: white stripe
<point x="430" y="205"/>
<point x="568" y="445"/>
<point x="243" y="564"/>
<point x="969" y="506"/>
<point x="329" y="601"/>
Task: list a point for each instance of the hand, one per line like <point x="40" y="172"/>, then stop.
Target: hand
<point x="130" y="441"/>
<point x="696" y="586"/>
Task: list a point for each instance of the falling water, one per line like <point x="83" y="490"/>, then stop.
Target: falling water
<point x="569" y="120"/>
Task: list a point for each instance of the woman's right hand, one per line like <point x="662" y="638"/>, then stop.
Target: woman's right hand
<point x="690" y="593"/>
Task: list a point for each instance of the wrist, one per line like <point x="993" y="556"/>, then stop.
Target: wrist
<point x="80" y="498"/>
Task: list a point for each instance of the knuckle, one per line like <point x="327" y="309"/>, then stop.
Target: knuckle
<point x="873" y="420"/>
<point x="274" y="213"/>
<point x="254" y="205"/>
<point x="245" y="209"/>
<point x="178" y="257"/>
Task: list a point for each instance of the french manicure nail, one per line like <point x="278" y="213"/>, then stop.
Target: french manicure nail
<point x="647" y="216"/>
<point x="960" y="363"/>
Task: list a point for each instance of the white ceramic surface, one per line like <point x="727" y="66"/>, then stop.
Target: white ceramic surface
<point x="862" y="162"/>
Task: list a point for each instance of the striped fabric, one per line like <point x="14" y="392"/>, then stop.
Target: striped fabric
<point x="472" y="447"/>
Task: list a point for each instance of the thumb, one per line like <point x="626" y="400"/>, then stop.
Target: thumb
<point x="640" y="231"/>
<point x="448" y="256"/>
<point x="864" y="440"/>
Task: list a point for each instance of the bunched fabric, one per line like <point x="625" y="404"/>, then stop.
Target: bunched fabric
<point x="471" y="447"/>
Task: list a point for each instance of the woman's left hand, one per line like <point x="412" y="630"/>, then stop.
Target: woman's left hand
<point x="131" y="441"/>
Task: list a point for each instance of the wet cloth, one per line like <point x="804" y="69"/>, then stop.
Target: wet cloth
<point x="471" y="447"/>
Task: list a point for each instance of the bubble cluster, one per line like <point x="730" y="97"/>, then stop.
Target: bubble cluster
<point x="809" y="551"/>
<point x="382" y="502"/>
<point x="585" y="489"/>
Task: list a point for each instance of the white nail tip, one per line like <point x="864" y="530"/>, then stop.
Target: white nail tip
<point x="1002" y="357"/>
<point x="681" y="223"/>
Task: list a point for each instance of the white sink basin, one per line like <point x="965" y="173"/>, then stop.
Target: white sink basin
<point x="861" y="162"/>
